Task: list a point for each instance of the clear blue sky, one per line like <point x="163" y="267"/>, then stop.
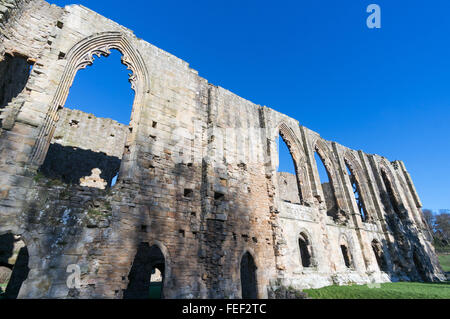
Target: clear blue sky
<point x="385" y="91"/>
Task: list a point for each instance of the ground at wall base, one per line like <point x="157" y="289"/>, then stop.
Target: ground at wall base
<point x="395" y="290"/>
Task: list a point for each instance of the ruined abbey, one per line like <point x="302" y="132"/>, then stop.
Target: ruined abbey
<point x="199" y="209"/>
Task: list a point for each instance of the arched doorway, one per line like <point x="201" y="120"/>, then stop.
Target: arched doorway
<point x="248" y="277"/>
<point x="146" y="277"/>
<point x="13" y="265"/>
<point x="305" y="250"/>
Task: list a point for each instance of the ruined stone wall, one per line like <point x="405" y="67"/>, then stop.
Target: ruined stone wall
<point x="197" y="179"/>
<point x="329" y="199"/>
<point x="287" y="187"/>
<point x="9" y="9"/>
<point x="86" y="131"/>
<point x="27" y="31"/>
<point x="82" y="143"/>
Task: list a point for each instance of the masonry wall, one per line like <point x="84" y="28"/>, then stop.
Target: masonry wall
<point x="287" y="187"/>
<point x="82" y="143"/>
<point x="197" y="179"/>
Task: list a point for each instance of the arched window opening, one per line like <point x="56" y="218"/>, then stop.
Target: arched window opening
<point x="346" y="255"/>
<point x="248" y="277"/>
<point x="146" y="277"/>
<point x="305" y="250"/>
<point x="87" y="149"/>
<point x="390" y="194"/>
<point x="357" y="194"/>
<point x="378" y="251"/>
<point x="14" y="74"/>
<point x="288" y="183"/>
<point x="327" y="186"/>
<point x="13" y="265"/>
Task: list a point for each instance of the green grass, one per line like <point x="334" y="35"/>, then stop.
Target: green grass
<point x="444" y="260"/>
<point x="155" y="291"/>
<point x="397" y="290"/>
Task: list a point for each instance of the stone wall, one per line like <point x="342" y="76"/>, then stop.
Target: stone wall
<point x="197" y="180"/>
<point x="86" y="131"/>
<point x="329" y="198"/>
<point x="82" y="143"/>
<point x="287" y="188"/>
<point x="9" y="8"/>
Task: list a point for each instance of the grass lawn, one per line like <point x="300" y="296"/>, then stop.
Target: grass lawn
<point x="396" y="290"/>
<point x="155" y="291"/>
<point x="444" y="261"/>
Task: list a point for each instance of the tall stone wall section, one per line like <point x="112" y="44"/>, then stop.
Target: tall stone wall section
<point x="86" y="131"/>
<point x="197" y="179"/>
<point x="287" y="187"/>
<point x="82" y="143"/>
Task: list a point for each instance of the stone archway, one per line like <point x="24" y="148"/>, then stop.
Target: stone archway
<point x="298" y="157"/>
<point x="79" y="57"/>
<point x="249" y="285"/>
<point x="323" y="157"/>
<point x="359" y="186"/>
<point x="305" y="250"/>
<point x="146" y="277"/>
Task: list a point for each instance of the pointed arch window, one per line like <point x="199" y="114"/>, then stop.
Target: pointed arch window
<point x="326" y="182"/>
<point x="390" y="196"/>
<point x="86" y="149"/>
<point x="288" y="181"/>
<point x="357" y="194"/>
